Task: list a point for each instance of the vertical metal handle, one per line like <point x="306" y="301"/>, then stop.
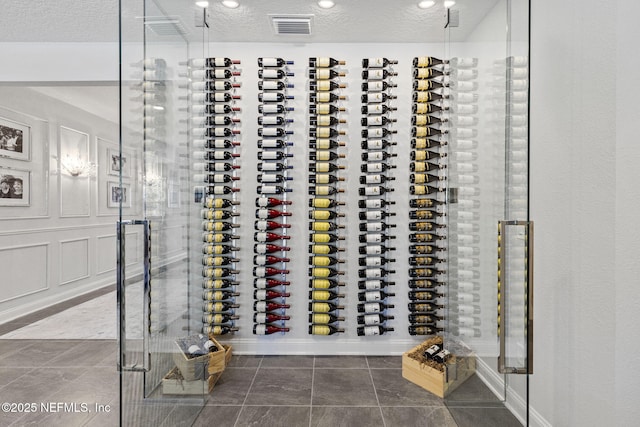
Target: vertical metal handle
<point x="121" y="298"/>
<point x="502" y="297"/>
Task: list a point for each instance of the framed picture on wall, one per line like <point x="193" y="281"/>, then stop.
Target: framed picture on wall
<point x="116" y="193"/>
<point x="118" y="163"/>
<point x="15" y="187"/>
<point x="15" y="140"/>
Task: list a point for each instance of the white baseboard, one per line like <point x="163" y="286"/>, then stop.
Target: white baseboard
<point x="318" y="346"/>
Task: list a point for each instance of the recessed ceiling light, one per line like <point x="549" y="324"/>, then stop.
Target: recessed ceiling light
<point x="449" y="3"/>
<point x="426" y="4"/>
<point x="326" y="4"/>
<point x="202" y="3"/>
<point x="231" y="4"/>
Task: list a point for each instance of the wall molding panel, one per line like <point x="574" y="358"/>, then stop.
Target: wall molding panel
<point x="74" y="260"/>
<point x="21" y="276"/>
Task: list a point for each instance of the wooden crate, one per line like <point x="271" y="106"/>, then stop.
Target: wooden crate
<point x="219" y="361"/>
<point x="440" y="383"/>
<point x="173" y="383"/>
<point x="197" y="368"/>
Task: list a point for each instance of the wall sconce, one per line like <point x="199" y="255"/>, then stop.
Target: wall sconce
<point x="76" y="166"/>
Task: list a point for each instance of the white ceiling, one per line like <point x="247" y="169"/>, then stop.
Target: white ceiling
<point x="350" y="20"/>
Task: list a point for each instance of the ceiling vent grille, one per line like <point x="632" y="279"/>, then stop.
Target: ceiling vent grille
<point x="166" y="25"/>
<point x="288" y="25"/>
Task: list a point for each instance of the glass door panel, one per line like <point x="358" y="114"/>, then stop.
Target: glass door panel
<point x="154" y="221"/>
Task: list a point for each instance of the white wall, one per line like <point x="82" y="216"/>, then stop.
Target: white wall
<point x="584" y="161"/>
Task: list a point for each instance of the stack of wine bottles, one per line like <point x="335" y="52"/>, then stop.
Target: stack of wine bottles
<point x="325" y="84"/>
<point x="215" y="129"/>
<point x="274" y="176"/>
<point x="427" y="220"/>
<point x="376" y="219"/>
<point x="464" y="214"/>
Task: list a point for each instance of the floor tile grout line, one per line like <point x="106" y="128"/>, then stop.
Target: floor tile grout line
<point x="313" y="377"/>
<point x="384" y="423"/>
<point x="248" y="391"/>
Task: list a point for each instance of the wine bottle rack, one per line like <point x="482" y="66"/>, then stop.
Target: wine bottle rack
<point x="325" y="127"/>
<point x="428" y="190"/>
<point x="376" y="219"/>
<point x="272" y="205"/>
<point x="215" y="129"/>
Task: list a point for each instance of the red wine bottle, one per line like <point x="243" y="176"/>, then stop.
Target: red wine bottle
<point x="269" y="202"/>
<point x="215" y="167"/>
<point x="268" y="283"/>
<point x="267" y="248"/>
<point x="266" y="307"/>
<point x="268" y="271"/>
<point x="268" y="237"/>
<point x="323" y="261"/>
<point x="264" y="213"/>
<point x="377" y="74"/>
<point x="268" y="294"/>
<point x="268" y="259"/>
<point x="262" y="329"/>
<point x="269" y="317"/>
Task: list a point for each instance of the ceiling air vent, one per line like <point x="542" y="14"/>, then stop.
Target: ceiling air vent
<point x="166" y="25"/>
<point x="292" y="24"/>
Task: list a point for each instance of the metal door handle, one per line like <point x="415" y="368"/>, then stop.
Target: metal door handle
<point x="146" y="300"/>
<point x="502" y="299"/>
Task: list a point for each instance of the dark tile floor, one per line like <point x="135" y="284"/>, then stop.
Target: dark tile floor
<point x="261" y="391"/>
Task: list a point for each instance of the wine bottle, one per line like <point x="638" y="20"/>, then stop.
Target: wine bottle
<point x="374" y="249"/>
<point x="369" y="296"/>
<point x="424" y="203"/>
<point x="424" y="319"/>
<point x="428" y="61"/>
<point x="325" y="156"/>
<point x="373" y="330"/>
<point x="218" y="283"/>
<point x="376" y="167"/>
<point x="211" y="318"/>
<point x="267" y="248"/>
<point x="442" y="356"/>
<point x="373" y="319"/>
<point x="432" y="351"/>
<point x="428" y="73"/>
<point x="325" y="284"/>
<point x="211" y="62"/>
<point x="376" y="86"/>
<point x="214" y="178"/>
<point x="427" y="97"/>
<point x="269" y="317"/>
<point x="424" y="237"/>
<point x="424" y="226"/>
<point x="324" y="249"/>
<point x="215" y="167"/>
<point x="214" y="120"/>
<point x="324" y="215"/>
<point x="372" y="273"/>
<point x="273" y="97"/>
<point x="324" y="295"/>
<point x="324" y="178"/>
<point x="428" y="85"/>
<point x="424" y="295"/>
<point x="269" y="202"/>
<point x="324" y="330"/>
<point x="274" y="132"/>
<point x="272" y="189"/>
<point x="322" y="109"/>
<point x="424" y="330"/>
<point x="324" y="226"/>
<point x="268" y="271"/>
<point x="420" y="190"/>
<point x="374" y="203"/>
<point x="214" y="109"/>
<point x="213" y="74"/>
<point x="424" y="272"/>
<point x="374" y="238"/>
<point x="273" y="109"/>
<point x="325" y="86"/>
<point x="324" y="272"/>
<point x="422" y="178"/>
<point x="325" y="144"/>
<point x="263" y="225"/>
<point x="322" y="203"/>
<point x="273" y="62"/>
<point x="422" y="249"/>
<point x="273" y="120"/>
<point x="264" y="213"/>
<point x="268" y="259"/>
<point x="214" y="144"/>
<point x="374" y="261"/>
<point x="218" y="330"/>
<point x="324" y="190"/>
<point x="324" y="62"/>
<point x="374" y="307"/>
<point x="424" y="283"/>
<point x="324" y="318"/>
<point x="375" y="215"/>
<point x="268" y="294"/>
<point x="376" y="97"/>
<point x="325" y="97"/>
<point x="267" y="307"/>
<point x="375" y="179"/>
<point x="268" y="283"/>
<point x="217" y="237"/>
<point x="323" y="261"/>
<point x="377" y="74"/>
<point x="218" y="295"/>
<point x="373" y="227"/>
<point x="218" y="226"/>
<point x="374" y="284"/>
<point x="376" y="190"/>
<point x="324" y="307"/>
<point x="216" y="214"/>
<point x="376" y="121"/>
<point x="324" y="167"/>
<point x="424" y="307"/>
<point x="274" y="74"/>
<point x="215" y="155"/>
<point x="325" y="132"/>
<point x="376" y="156"/>
<point x="262" y="329"/>
<point x="212" y="202"/>
<point x="272" y="167"/>
<point x="273" y="178"/>
<point x="325" y="74"/>
<point x="377" y="62"/>
<point x="426" y="131"/>
<point x="268" y="237"/>
<point x="210" y="261"/>
<point x="426" y="119"/>
<point x="376" y="144"/>
<point x="325" y="120"/>
<point x="324" y="238"/>
<point x="376" y="109"/>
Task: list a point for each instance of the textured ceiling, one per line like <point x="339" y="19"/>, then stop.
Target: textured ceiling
<point x="349" y="21"/>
